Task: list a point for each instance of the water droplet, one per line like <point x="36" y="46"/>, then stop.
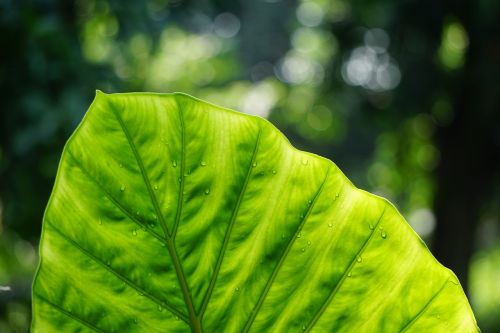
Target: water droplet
<point x="381" y="228"/>
<point x="151" y="225"/>
<point x="309" y="243"/>
<point x="359" y="259"/>
<point x="108" y="262"/>
<point x="134" y="232"/>
<point x="330" y="225"/>
<point x="301" y="216"/>
<point x="305" y="161"/>
<point x="303" y="250"/>
<point x="100" y="221"/>
<point x="282" y="236"/>
<point x="383" y="234"/>
<point x="439" y="316"/>
<point x="160" y="308"/>
<point x="122" y="188"/>
<point x="337" y="195"/>
<point x="299" y="235"/>
<point x="177" y="318"/>
<point x="371" y="226"/>
<point x="254" y="164"/>
<point x="207" y="191"/>
<point x="156" y="187"/>
<point x="274" y="172"/>
<point x="303" y="327"/>
<point x="203" y="163"/>
<point x="137" y="213"/>
<point x="309" y="202"/>
<point x="121" y="165"/>
<point x="174" y="163"/>
<point x="237" y="289"/>
<point x="455" y="282"/>
<point x="349" y="274"/>
<point x="135" y="321"/>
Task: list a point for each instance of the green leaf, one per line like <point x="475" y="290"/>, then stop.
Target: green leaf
<point x="170" y="214"/>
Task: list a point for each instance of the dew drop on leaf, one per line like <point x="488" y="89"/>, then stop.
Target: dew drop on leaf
<point x="383" y="234"/>
<point x="203" y="163"/>
<point x="371" y="226"/>
<point x="121" y="165"/>
<point x="303" y="327"/>
<point x="174" y="164"/>
<point x="122" y="188"/>
<point x="100" y="221"/>
<point x="207" y="191"/>
<point x="160" y="308"/>
<point x="309" y="243"/>
<point x="330" y="225"/>
<point x="299" y="235"/>
<point x="359" y="259"/>
<point x="156" y="187"/>
<point x="303" y="250"/>
<point x="305" y="161"/>
<point x="274" y="172"/>
<point x="134" y="232"/>
<point x="254" y="164"/>
<point x="349" y="274"/>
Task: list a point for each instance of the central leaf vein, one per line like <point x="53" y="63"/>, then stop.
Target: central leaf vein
<point x="193" y="318"/>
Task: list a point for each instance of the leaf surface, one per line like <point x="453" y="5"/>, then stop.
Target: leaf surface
<point x="170" y="214"/>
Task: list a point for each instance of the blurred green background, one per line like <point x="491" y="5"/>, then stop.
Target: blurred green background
<point x="403" y="95"/>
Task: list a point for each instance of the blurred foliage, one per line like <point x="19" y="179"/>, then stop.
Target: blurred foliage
<point x="377" y="86"/>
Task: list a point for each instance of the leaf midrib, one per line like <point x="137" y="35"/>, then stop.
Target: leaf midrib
<point x="134" y="286"/>
<point x="193" y="318"/>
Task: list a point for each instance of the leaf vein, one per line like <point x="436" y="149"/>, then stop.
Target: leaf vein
<point x="113" y="200"/>
<point x="283" y="257"/>
<point x="182" y="168"/>
<point x="119" y="275"/>
<point x="193" y="318"/>
<point x="419" y="314"/>
<point x="206" y="298"/>
<point x="327" y="302"/>
<point x="69" y="314"/>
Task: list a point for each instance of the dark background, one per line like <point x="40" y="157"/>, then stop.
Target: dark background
<point x="403" y="95"/>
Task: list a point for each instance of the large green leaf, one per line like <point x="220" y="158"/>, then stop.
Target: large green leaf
<point x="170" y="214"/>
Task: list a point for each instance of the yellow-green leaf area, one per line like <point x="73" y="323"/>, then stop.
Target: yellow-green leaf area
<point x="170" y="214"/>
